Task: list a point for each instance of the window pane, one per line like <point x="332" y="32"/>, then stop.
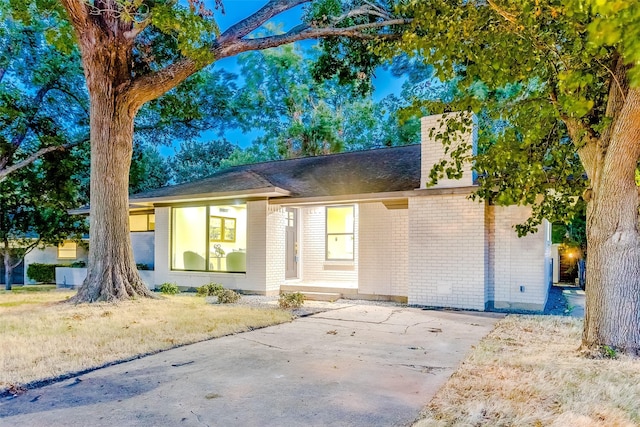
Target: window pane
<point x="189" y="237"/>
<point x="340" y="246"/>
<point x="67" y="250"/>
<point x="340" y="219"/>
<point x="152" y="222"/>
<point x="228" y="238"/>
<point x="138" y="222"/>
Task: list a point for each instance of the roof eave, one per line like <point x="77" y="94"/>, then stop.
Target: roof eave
<point x="267" y="193"/>
<point x="370" y="197"/>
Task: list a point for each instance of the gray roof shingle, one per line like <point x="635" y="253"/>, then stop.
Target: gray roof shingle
<point x="359" y="172"/>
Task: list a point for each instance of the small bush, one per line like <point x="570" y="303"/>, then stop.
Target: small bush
<point x="227" y="296"/>
<point x="209" y="290"/>
<point x="169" y="288"/>
<point x="291" y="300"/>
<point x="76" y="264"/>
<point x="141" y="266"/>
<point x="42" y="273"/>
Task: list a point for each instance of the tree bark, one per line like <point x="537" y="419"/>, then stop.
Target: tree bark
<point x="111" y="273"/>
<point x="8" y="268"/>
<point x="612" y="316"/>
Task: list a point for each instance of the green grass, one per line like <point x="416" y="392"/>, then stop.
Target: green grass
<point x="19" y="289"/>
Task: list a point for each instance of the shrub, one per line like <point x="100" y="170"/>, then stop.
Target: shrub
<point x="141" y="266"/>
<point x="169" y="288"/>
<point x="76" y="264"/>
<point x="291" y="300"/>
<point x="42" y="273"/>
<point x="227" y="296"/>
<point x="209" y="290"/>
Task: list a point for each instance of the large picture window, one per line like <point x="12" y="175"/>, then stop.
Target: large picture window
<point x="209" y="238"/>
<point x="340" y="232"/>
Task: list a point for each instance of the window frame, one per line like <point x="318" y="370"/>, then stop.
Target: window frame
<point x="208" y="241"/>
<point x="327" y="235"/>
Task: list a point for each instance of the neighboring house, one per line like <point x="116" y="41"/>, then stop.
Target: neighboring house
<point x="362" y="223"/>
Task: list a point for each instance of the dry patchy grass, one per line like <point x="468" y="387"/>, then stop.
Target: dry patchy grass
<point x="528" y="372"/>
<point x="43" y="338"/>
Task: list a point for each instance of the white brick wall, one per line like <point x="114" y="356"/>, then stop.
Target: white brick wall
<point x="314" y="266"/>
<point x="446" y="252"/>
<point x="276" y="248"/>
<point x="519" y="262"/>
<point x="383" y="250"/>
<point x="432" y="150"/>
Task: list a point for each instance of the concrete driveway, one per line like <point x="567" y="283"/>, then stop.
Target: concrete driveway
<point x="360" y="365"/>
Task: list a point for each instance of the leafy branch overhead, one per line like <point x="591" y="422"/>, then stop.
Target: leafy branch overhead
<point x="548" y="82"/>
<point x="171" y="42"/>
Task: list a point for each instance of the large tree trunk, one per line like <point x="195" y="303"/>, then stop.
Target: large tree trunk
<point x="612" y="315"/>
<point x="111" y="271"/>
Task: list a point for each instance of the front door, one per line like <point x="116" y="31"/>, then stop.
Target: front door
<point x="292" y="243"/>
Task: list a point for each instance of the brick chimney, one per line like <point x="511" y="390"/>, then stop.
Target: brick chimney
<point x="433" y="151"/>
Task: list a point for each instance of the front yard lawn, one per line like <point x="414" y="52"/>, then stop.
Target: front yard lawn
<point x="43" y="338"/>
<point x="528" y="372"/>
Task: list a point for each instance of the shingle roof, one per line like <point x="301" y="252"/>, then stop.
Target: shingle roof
<point x="360" y="172"/>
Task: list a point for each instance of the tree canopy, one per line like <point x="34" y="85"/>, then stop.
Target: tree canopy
<point x="555" y="85"/>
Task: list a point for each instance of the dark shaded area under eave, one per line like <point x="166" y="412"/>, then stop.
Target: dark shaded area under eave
<point x="359" y="172"/>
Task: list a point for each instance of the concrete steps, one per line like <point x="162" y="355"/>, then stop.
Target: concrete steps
<point x="313" y="292"/>
<point x="321" y="296"/>
<point x="318" y="289"/>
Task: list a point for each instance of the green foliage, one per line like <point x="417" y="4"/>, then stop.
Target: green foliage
<point x="149" y="170"/>
<point x="526" y="70"/>
<point x="209" y="290"/>
<point x="609" y="352"/>
<point x="227" y="296"/>
<point x="289" y="300"/>
<point x="42" y="273"/>
<point x="195" y="160"/>
<point x="299" y="116"/>
<point x="169" y="288"/>
<point x="143" y="267"/>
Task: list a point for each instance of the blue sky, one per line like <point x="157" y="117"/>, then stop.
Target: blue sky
<point x="235" y="11"/>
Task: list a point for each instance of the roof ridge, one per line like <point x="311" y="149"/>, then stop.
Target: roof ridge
<point x="343" y="153"/>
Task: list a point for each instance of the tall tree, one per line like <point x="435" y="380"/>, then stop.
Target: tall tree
<point x="33" y="208"/>
<point x="195" y="160"/>
<point x="149" y="169"/>
<point x="35" y="81"/>
<point x="557" y="87"/>
<point x="299" y="115"/>
<point x="135" y="51"/>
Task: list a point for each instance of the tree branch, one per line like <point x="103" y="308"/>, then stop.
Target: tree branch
<point x="305" y="33"/>
<point x="35" y="156"/>
<point x="251" y="23"/>
<point x="78" y="14"/>
<point x="153" y="85"/>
